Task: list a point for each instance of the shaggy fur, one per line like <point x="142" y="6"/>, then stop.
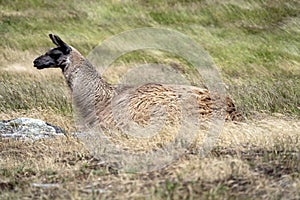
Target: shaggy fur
<point x="101" y="104"/>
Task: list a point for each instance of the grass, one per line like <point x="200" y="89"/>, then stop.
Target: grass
<point x="277" y="96"/>
<point x="255" y="45"/>
<point x="26" y="94"/>
<point x="249" y="40"/>
<point x="252" y="160"/>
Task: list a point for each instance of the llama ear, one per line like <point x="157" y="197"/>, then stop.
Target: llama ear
<point x="58" y="42"/>
<point x="53" y="39"/>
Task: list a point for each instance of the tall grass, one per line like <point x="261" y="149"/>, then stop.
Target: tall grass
<point x="32" y="92"/>
<point x="277" y="96"/>
<point x="254" y="43"/>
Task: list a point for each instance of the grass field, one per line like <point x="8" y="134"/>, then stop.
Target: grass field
<point x="254" y="43"/>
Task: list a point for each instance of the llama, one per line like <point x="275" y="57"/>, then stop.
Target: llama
<point x="98" y="101"/>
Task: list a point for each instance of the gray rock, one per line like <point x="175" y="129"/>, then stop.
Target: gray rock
<point x="28" y="129"/>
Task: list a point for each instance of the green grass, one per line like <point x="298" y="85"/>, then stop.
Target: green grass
<point x="281" y="95"/>
<point x="256" y="47"/>
<point x="255" y="42"/>
<point x="33" y="92"/>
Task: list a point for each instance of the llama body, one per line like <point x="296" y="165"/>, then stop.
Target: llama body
<point x="102" y="104"/>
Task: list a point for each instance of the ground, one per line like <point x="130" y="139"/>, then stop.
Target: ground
<point x="255" y="159"/>
<point x="255" y="46"/>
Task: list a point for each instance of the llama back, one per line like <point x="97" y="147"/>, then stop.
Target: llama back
<point x="150" y="101"/>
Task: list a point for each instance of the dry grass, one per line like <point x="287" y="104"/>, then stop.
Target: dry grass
<point x="254" y="159"/>
<point x="51" y="116"/>
<point x="254" y="43"/>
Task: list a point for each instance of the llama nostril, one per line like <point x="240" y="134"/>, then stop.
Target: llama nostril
<point x="35" y="63"/>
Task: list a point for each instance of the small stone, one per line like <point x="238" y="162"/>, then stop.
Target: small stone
<point x="28" y="129"/>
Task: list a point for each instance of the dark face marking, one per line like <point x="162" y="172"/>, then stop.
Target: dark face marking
<point x="54" y="58"/>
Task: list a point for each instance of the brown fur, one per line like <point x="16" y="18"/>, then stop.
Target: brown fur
<point x="101" y="104"/>
<point x="141" y="99"/>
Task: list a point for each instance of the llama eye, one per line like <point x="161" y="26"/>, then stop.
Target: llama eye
<point x="55" y="55"/>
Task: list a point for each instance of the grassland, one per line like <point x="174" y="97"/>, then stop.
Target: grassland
<point x="255" y="45"/>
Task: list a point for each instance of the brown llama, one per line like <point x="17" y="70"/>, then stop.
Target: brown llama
<point x="100" y="103"/>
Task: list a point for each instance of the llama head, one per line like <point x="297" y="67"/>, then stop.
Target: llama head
<point x="56" y="57"/>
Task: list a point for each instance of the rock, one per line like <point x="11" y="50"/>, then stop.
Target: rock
<point x="28" y="129"/>
<point x="46" y="185"/>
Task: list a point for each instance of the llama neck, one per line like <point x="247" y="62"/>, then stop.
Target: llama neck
<point x="87" y="86"/>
